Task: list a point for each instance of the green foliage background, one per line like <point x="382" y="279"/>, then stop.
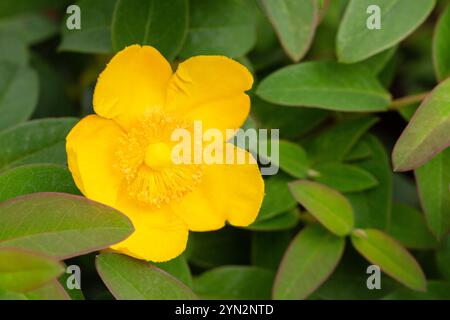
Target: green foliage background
<point x="340" y="94"/>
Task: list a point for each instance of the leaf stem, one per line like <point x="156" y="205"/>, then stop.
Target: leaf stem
<point x="408" y="100"/>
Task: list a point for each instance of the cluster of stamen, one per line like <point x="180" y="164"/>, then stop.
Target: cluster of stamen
<point x="154" y="186"/>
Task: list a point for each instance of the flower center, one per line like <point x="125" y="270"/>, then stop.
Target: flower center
<point x="144" y="156"/>
<point x="158" y="155"/>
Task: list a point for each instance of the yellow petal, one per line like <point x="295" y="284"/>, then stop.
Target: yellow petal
<point x="199" y="213"/>
<point x="134" y="81"/>
<point x="232" y="192"/>
<point x="159" y="234"/>
<point x="90" y="149"/>
<point x="211" y="89"/>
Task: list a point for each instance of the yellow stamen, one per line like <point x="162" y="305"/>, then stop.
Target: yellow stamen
<point x="144" y="158"/>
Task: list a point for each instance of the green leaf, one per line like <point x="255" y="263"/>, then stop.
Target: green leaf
<point x="335" y="143"/>
<point x="51" y="291"/>
<point x="328" y="206"/>
<point x="427" y="133"/>
<point x="356" y="42"/>
<point x="131" y="279"/>
<point x="292" y="122"/>
<point x="23" y="271"/>
<point x="13" y="49"/>
<point x="307" y="263"/>
<point x="372" y="207"/>
<point x="234" y="282"/>
<point x="441" y="46"/>
<point x="161" y="24"/>
<point x="11" y="7"/>
<point x="278" y="199"/>
<point x="360" y="151"/>
<point x="15" y="106"/>
<point x="380" y="249"/>
<point x="226" y="27"/>
<point x="178" y="268"/>
<point x="268" y="248"/>
<point x="443" y="257"/>
<point x="292" y="159"/>
<point x="53" y="99"/>
<point x="349" y="281"/>
<point x="35" y="141"/>
<point x="408" y="226"/>
<point x="294" y="22"/>
<point x="436" y="290"/>
<point x="433" y="180"/>
<point x="326" y="85"/>
<point x="36" y="178"/>
<point x="287" y="220"/>
<point x="32" y="28"/>
<point x="60" y="225"/>
<point x="95" y="33"/>
<point x="378" y="62"/>
<point x="344" y="177"/>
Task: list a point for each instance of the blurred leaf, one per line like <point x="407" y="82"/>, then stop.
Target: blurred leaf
<point x="278" y="199"/>
<point x="53" y="97"/>
<point x="178" y="268"/>
<point x="295" y="23"/>
<point x="436" y="290"/>
<point x="223" y="247"/>
<point x="32" y="28"/>
<point x="409" y="227"/>
<point x="95" y="33"/>
<point x="335" y="143"/>
<point x="11" y="7"/>
<point x="13" y="49"/>
<point x="234" y="282"/>
<point x="292" y="122"/>
<point x="266" y="39"/>
<point x="35" y="141"/>
<point x="60" y="225"/>
<point x="161" y="24"/>
<point x="307" y="263"/>
<point x="405" y="190"/>
<point x="35" y="178"/>
<point x="347" y="87"/>
<point x="443" y="257"/>
<point x="292" y="159"/>
<point x="372" y="208"/>
<point x="344" y="177"/>
<point x="360" y="151"/>
<point x="427" y="132"/>
<point x="19" y="87"/>
<point x="131" y="279"/>
<point x="377" y="62"/>
<point x="441" y="46"/>
<point x="389" y="72"/>
<point x="268" y="248"/>
<point x="349" y="281"/>
<point x="328" y="206"/>
<point x="287" y="220"/>
<point x="356" y="42"/>
<point x="226" y="27"/>
<point x="382" y="250"/>
<point x="51" y="291"/>
<point x="433" y="180"/>
<point x="23" y="271"/>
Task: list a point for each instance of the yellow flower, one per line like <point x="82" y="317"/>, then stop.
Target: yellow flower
<point x="121" y="155"/>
